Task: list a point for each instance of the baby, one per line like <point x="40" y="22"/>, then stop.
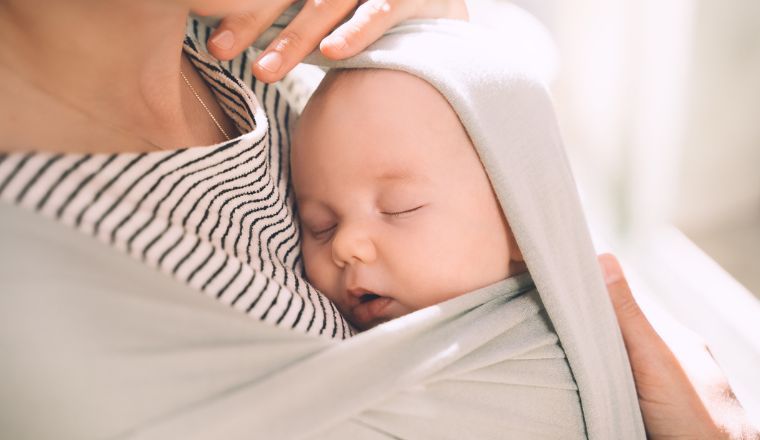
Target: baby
<point x="396" y="210"/>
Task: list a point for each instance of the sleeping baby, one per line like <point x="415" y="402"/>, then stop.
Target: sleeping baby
<point x="395" y="180"/>
<point x="396" y="210"/>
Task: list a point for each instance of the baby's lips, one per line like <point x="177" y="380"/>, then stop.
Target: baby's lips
<point x="369" y="312"/>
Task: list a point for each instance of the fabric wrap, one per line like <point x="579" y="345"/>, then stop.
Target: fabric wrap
<point x="96" y="345"/>
<point x="494" y="86"/>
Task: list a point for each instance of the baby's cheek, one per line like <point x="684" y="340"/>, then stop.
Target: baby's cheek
<point x="457" y="258"/>
<point x="318" y="272"/>
<point x="428" y="264"/>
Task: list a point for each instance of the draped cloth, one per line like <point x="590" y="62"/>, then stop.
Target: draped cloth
<point x="495" y="87"/>
<point x="96" y="345"/>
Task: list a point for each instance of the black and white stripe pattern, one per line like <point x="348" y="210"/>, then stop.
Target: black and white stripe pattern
<point x="219" y="218"/>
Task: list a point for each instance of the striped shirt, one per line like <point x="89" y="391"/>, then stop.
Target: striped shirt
<point x="219" y="218"/>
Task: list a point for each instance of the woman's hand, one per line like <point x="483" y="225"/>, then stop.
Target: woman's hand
<point x="315" y="25"/>
<point x="683" y="396"/>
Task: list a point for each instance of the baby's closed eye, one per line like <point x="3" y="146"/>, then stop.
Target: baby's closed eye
<point x="320" y="233"/>
<point x="398" y="201"/>
<point x="402" y="212"/>
<point x="317" y="223"/>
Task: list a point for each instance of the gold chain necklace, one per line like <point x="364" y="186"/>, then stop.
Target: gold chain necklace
<point x="192" y="89"/>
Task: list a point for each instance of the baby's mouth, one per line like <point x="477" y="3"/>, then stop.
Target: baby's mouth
<point x="367" y="297"/>
<point x="369" y="310"/>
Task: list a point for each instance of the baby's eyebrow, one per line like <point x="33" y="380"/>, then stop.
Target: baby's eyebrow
<point x="399" y="174"/>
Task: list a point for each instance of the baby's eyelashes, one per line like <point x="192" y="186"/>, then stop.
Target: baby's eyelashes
<point x="402" y="213"/>
<point x="317" y="223"/>
<point x="322" y="233"/>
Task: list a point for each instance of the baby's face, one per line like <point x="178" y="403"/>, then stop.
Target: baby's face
<point x="396" y="210"/>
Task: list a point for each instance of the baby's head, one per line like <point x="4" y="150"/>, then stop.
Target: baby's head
<point x="396" y="210"/>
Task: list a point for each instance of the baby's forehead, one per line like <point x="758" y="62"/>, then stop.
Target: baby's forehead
<point x="384" y="102"/>
<point x="382" y="122"/>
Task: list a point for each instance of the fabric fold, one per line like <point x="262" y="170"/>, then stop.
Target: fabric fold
<point x="156" y="360"/>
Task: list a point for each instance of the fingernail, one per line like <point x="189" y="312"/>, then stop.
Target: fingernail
<point x="335" y="42"/>
<point x="224" y="40"/>
<point x="271" y="62"/>
<point x="611" y="271"/>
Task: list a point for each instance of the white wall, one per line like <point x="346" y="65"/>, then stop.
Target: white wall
<point x="720" y="176"/>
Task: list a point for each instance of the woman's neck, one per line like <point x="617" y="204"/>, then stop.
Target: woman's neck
<point x="117" y="61"/>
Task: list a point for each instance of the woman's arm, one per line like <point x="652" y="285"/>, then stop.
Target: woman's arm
<point x="318" y="24"/>
<point x="674" y="404"/>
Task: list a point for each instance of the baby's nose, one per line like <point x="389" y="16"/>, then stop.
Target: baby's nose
<point x="352" y="245"/>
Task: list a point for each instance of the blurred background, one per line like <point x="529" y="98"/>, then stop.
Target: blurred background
<point x="659" y="105"/>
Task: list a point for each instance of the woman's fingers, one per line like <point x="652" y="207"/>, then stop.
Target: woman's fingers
<point x="633" y="324"/>
<point x="646" y="345"/>
<point x="368" y="23"/>
<point x="374" y="17"/>
<point x="300" y="37"/>
<point x="237" y="32"/>
<point x="317" y="19"/>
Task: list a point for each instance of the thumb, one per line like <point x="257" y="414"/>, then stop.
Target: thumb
<point x="636" y="329"/>
<point x="669" y="400"/>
